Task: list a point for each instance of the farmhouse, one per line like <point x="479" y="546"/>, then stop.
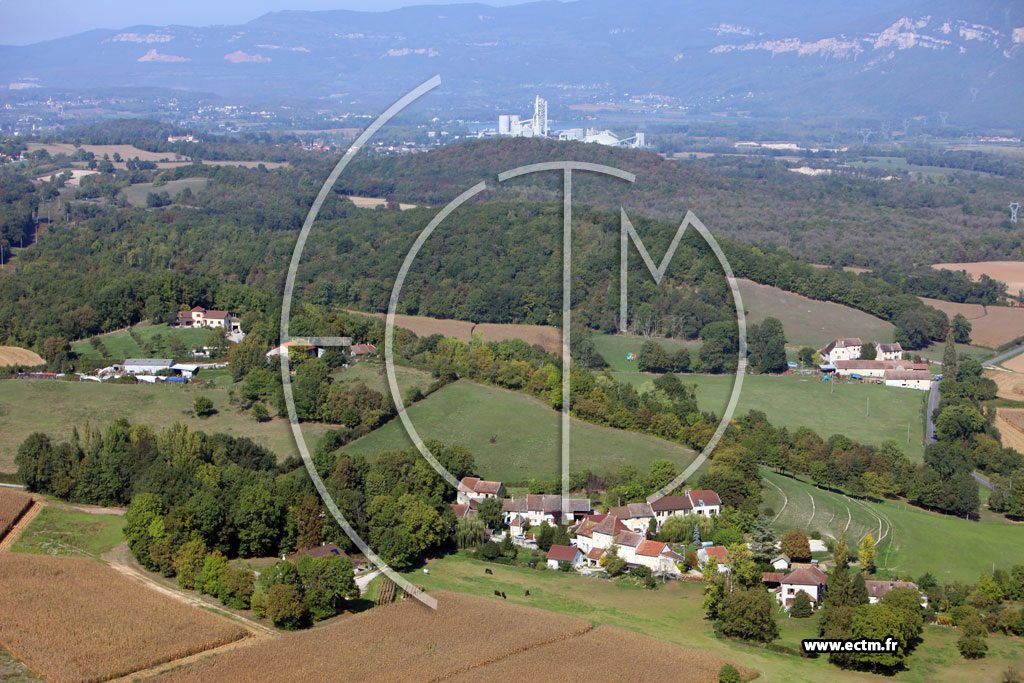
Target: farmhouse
<point x="359" y="350"/>
<point x="700" y="502"/>
<point x="911" y="379"/>
<point x="147" y="366"/>
<point x="564" y="553"/>
<point x="476" y="489"/>
<point x="538" y="508"/>
<point x="841" y="349"/>
<point x="658" y="557"/>
<point x="598" y="531"/>
<point x="879" y="589"/>
<point x="889" y="351"/>
<point x="808" y="579"/>
<point x="462" y="511"/>
<point x="201" y="317"/>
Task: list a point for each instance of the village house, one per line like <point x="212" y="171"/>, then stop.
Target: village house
<point x="705" y="502"/>
<point x="658" y="557"/>
<point x="598" y="531"/>
<point x="564" y="553"/>
<point x="293" y="347"/>
<point x="889" y="351"/>
<point x="715" y="553"/>
<point x="841" y="349"/>
<point x="636" y="516"/>
<point x="201" y="317"/>
<point x="359" y="350"/>
<point x="476" y="489"/>
<point x="465" y="510"/>
<point x="808" y="579"/>
<point x="539" y="508"/>
<point x="700" y="502"/>
<point x="782" y="562"/>
<point x="879" y="589"/>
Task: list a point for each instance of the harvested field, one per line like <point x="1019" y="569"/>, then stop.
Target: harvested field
<point x="13" y="504"/>
<point x="1016" y="363"/>
<point x="548" y="337"/>
<point x="72" y="619"/>
<point x="14" y="355"/>
<point x="76" y="176"/>
<point x="1009" y="385"/>
<point x="598" y="655"/>
<point x="467" y="638"/>
<point x="1010" y="423"/>
<point x="126" y="151"/>
<point x="136" y="194"/>
<point x="992" y="326"/>
<point x="1010" y="272"/>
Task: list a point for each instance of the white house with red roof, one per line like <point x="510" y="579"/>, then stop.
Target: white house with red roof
<point x="714" y="553"/>
<point x="841" y="349"/>
<point x="564" y="553"/>
<point x="808" y="579"/>
<point x="636" y="516"/>
<point x="475" y="488"/>
<point x="201" y="317"/>
<point x="705" y="502"/>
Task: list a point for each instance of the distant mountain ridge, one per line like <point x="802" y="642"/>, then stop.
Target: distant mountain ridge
<point x="802" y="58"/>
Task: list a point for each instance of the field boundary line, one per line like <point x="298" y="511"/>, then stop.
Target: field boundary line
<point x="785" y="498"/>
<point x="814" y="509"/>
<point x="164" y="667"/>
<point x="520" y="650"/>
<point x="15" y="533"/>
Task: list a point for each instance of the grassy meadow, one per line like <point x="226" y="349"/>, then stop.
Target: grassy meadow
<point x="120" y="344"/>
<point x="64" y="530"/>
<point x="614" y="348"/>
<point x="907" y="538"/>
<point x="798" y="400"/>
<point x="55" y="407"/>
<point x="673" y="613"/>
<point x="516" y="437"/>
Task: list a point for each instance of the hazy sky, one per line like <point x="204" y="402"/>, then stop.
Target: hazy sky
<point x="30" y="21"/>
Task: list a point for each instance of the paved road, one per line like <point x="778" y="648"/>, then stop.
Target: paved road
<point x="1003" y="356"/>
<point x="982" y="479"/>
<point x="933" y="403"/>
<point x="364" y="579"/>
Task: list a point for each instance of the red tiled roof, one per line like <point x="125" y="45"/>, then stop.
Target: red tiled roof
<point x="671" y="504"/>
<point x="805" y="576"/>
<point x="363" y="349"/>
<point x="772" y="577"/>
<point x="563" y="553"/>
<point x="650" y="548"/>
<point x="610" y="526"/>
<point x="878" y="589"/>
<point x="595" y="553"/>
<point x="217" y="314"/>
<point x="198" y="309"/>
<point x="630" y="539"/>
<point x="718" y="552"/>
<point x="460" y="510"/>
<point x="478" y="485"/>
<point x="703" y="497"/>
<point x="632" y="511"/>
<point x="907" y="375"/>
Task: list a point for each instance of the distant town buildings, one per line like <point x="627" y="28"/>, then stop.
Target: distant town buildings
<point x="511" y="125"/>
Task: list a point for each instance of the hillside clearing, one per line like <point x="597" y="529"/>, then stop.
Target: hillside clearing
<point x="136" y="194"/>
<point x="515" y="437"/>
<point x="868" y="413"/>
<point x="809" y="322"/>
<point x="1010" y="272"/>
<point x="120" y="344"/>
<point x="550" y="338"/>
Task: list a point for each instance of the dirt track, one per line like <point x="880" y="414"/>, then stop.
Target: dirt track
<point x="20" y="526"/>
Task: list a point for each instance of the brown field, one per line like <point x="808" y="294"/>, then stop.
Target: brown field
<point x="599" y="655"/>
<point x="848" y="269"/>
<point x="73" y="619"/>
<point x="467" y="637"/>
<point x="126" y="151"/>
<point x="1010" y="423"/>
<point x="548" y="337"/>
<point x="1009" y="385"/>
<point x="1010" y="272"/>
<point x="374" y="202"/>
<point x="992" y="326"/>
<point x="1016" y="363"/>
<point x="76" y="176"/>
<point x="13" y="504"/>
<point x="14" y="355"/>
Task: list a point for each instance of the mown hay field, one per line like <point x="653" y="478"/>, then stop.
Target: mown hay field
<point x="1016" y="363"/>
<point x="13" y="504"/>
<point x="1010" y="423"/>
<point x="14" y="355"/>
<point x="1010" y="272"/>
<point x="72" y="619"/>
<point x="1009" y="385"/>
<point x="991" y="326"/>
<point x="466" y="638"/>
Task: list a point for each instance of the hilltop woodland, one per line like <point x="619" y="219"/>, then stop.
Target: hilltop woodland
<point x="226" y="246"/>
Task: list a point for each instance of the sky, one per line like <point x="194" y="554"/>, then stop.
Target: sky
<point x="29" y="21"/>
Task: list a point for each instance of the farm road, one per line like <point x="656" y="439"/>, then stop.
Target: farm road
<point x="1005" y="356"/>
<point x="933" y="403"/>
<point x="120" y="558"/>
<point x="25" y="520"/>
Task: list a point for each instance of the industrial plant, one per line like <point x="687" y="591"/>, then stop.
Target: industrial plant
<point x="511" y="125"/>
